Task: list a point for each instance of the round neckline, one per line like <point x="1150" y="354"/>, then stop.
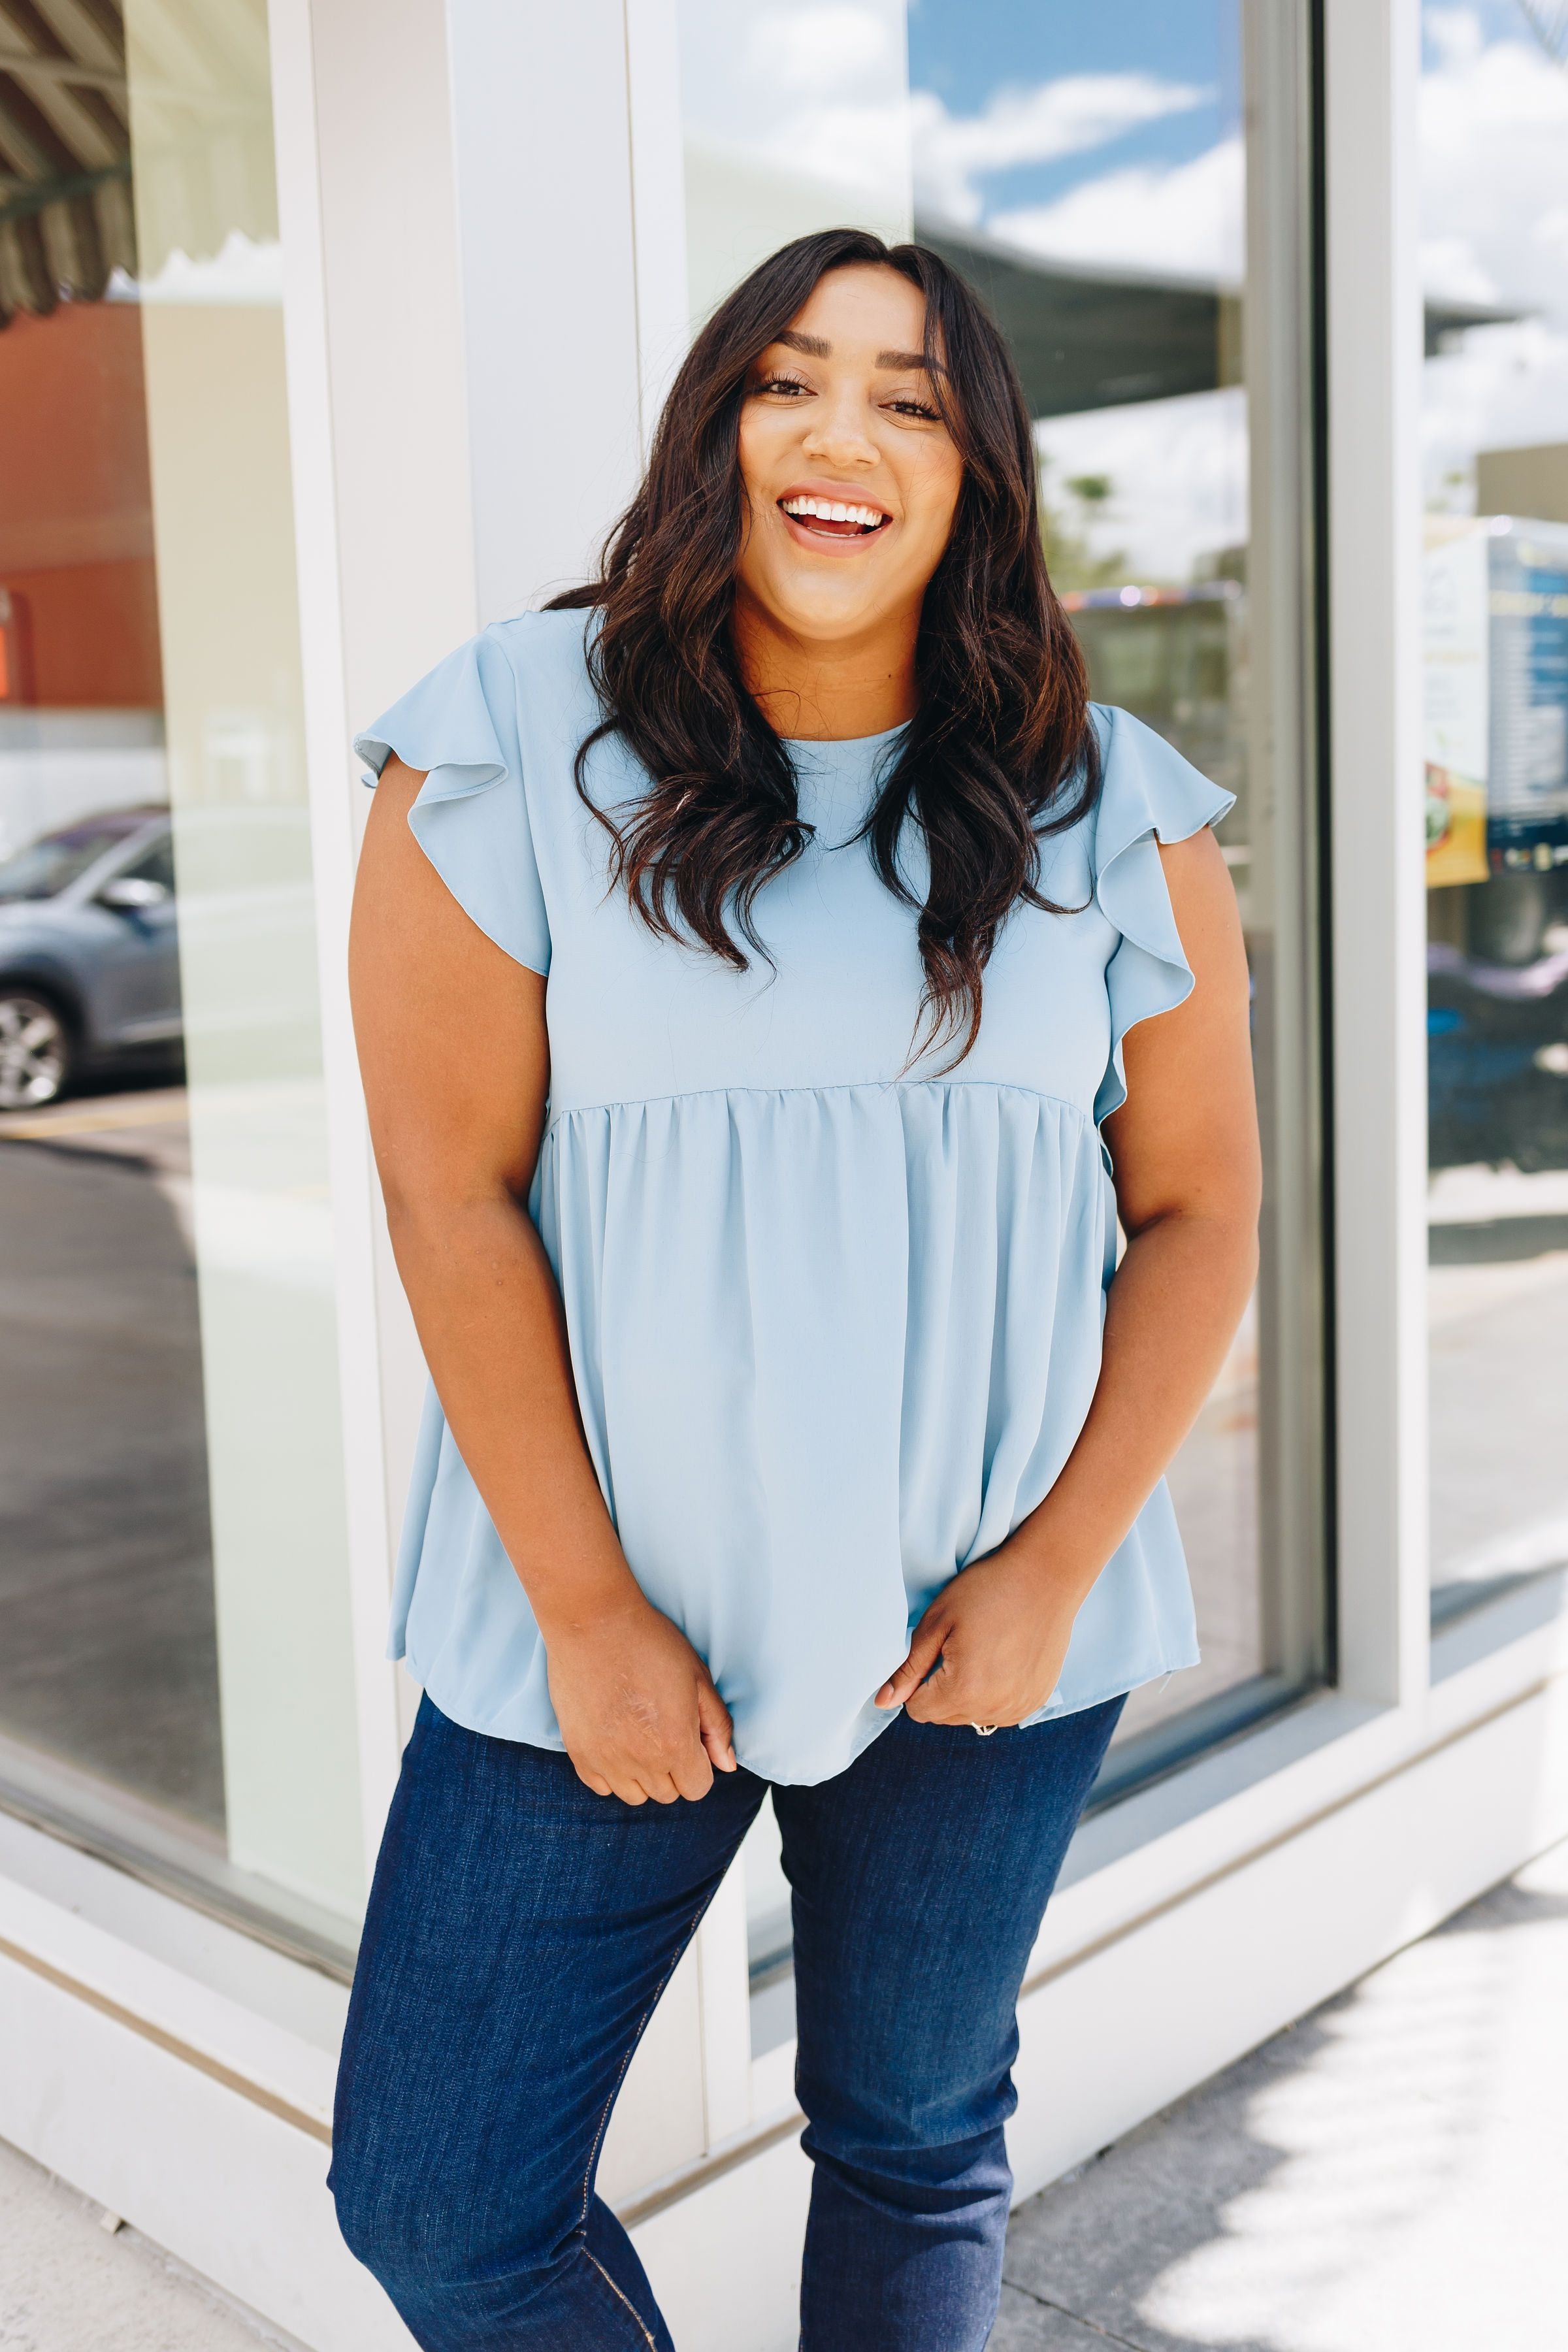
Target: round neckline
<point x="817" y="743"/>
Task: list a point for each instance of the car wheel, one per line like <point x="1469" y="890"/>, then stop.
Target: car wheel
<point x="34" y="1050"/>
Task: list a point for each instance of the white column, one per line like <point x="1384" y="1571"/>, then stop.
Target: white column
<point x="1374" y="343"/>
<point x="542" y="164"/>
<point x="379" y="431"/>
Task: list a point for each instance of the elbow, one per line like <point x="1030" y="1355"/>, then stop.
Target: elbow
<point x="1239" y="1242"/>
<point x="409" y="1192"/>
<point x="414" y="1224"/>
<point x="1234" y="1220"/>
<point x="431" y="1215"/>
<point x="1219" y="1226"/>
<point x="411" y="1212"/>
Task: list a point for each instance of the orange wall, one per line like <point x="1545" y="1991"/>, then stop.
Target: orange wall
<point x="76" y="519"/>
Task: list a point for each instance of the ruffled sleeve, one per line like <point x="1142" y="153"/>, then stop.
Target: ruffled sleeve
<point x="1149" y="793"/>
<point x="460" y="726"/>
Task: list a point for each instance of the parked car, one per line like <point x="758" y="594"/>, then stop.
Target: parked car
<point x="1497" y="1059"/>
<point x="90" y="975"/>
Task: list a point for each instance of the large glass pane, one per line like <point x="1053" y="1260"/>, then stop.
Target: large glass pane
<point x="1494" y="120"/>
<point x="1091" y="169"/>
<point x="176" y="1678"/>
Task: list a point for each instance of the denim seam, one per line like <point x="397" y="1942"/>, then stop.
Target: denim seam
<point x="625" y="2061"/>
<point x="622" y="2297"/>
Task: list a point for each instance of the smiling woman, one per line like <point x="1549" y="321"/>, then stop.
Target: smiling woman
<point x="789" y="1430"/>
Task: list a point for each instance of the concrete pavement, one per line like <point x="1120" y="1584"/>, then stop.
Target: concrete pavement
<point x="67" y="2285"/>
<point x="1389" y="2174"/>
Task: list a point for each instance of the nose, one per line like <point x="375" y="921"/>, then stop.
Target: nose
<point x="839" y="441"/>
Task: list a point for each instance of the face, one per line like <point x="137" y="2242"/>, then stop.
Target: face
<point x="851" y="478"/>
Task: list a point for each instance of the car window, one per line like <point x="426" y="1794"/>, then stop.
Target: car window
<point x="45" y="867"/>
<point x="155" y="864"/>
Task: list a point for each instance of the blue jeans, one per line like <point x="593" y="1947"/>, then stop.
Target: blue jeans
<point x="520" y="1932"/>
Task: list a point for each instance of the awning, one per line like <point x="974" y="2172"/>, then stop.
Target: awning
<point x="66" y="221"/>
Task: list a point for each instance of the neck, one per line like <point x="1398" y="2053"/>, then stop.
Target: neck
<point x="825" y="691"/>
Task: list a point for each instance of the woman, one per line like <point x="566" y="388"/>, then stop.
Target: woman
<point x="772" y="918"/>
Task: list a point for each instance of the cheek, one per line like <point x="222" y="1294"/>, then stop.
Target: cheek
<point x="933" y="500"/>
<point x="947" y="480"/>
<point x="759" y="452"/>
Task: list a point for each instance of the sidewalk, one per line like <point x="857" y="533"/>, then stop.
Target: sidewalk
<point x="1390" y="2174"/>
<point x="67" y="2285"/>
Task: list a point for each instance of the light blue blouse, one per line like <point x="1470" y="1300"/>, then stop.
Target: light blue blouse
<point x="835" y="1325"/>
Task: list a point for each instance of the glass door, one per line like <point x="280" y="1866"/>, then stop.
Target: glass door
<point x="176" y="1679"/>
<point x="1131" y="189"/>
<point x="1494" y="161"/>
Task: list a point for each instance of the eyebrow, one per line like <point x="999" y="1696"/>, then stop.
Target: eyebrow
<point x="817" y="347"/>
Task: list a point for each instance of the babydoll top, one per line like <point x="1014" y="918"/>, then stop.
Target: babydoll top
<point x="834" y="1322"/>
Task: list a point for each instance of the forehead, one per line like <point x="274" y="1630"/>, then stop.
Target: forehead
<point x="864" y="308"/>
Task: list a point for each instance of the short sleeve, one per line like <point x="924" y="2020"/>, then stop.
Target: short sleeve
<point x="460" y="726"/>
<point x="1149" y="794"/>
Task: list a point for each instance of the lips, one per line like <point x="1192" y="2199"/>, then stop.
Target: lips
<point x="840" y="519"/>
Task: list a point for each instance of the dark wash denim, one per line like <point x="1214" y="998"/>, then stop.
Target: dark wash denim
<point x="520" y="1932"/>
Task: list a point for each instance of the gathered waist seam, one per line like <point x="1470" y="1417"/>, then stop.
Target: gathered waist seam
<point x="842" y="1087"/>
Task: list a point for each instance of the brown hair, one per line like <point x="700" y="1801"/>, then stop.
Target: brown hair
<point x="1001" y="751"/>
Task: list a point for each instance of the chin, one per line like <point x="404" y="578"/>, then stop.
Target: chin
<point x="808" y="615"/>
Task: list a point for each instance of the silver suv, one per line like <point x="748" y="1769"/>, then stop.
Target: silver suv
<point x="90" y="974"/>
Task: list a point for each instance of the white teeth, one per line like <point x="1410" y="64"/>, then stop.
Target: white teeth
<point x="834" y="510"/>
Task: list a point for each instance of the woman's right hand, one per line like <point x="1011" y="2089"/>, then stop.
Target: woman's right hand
<point x="637" y="1707"/>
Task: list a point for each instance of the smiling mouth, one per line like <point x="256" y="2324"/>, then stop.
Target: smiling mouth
<point x="834" y="518"/>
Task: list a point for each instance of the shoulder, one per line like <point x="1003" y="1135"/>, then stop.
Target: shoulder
<point x="517" y="685"/>
<point x="511" y="697"/>
<point x="542" y="645"/>
<point x="1147" y="787"/>
<point x="534" y="662"/>
<point x="539" y="660"/>
<point x="1125" y="738"/>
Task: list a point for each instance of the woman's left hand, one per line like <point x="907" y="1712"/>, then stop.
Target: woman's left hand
<point x="996" y="1636"/>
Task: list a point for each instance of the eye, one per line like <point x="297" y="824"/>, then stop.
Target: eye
<point x="905" y="404"/>
<point x="782" y="383"/>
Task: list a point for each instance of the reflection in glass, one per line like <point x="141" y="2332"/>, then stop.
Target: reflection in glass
<point x="1494" y="122"/>
<point x="1088" y="175"/>
<point x="174" y="1666"/>
<point x="769" y="1934"/>
<point x="792" y="120"/>
<point x="1087" y="170"/>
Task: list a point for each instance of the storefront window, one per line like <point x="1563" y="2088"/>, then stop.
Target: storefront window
<point x="1089" y="171"/>
<point x="175" y="1677"/>
<point x="1494" y="128"/>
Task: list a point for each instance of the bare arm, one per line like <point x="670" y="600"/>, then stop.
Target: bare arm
<point x="455" y="1057"/>
<point x="1188" y="1183"/>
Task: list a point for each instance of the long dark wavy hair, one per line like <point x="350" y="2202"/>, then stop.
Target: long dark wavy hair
<point x="1000" y="751"/>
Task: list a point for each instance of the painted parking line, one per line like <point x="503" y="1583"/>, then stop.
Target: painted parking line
<point x="154" y="1110"/>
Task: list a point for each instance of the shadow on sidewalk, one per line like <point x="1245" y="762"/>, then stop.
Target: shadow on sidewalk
<point x="1373" y="2179"/>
